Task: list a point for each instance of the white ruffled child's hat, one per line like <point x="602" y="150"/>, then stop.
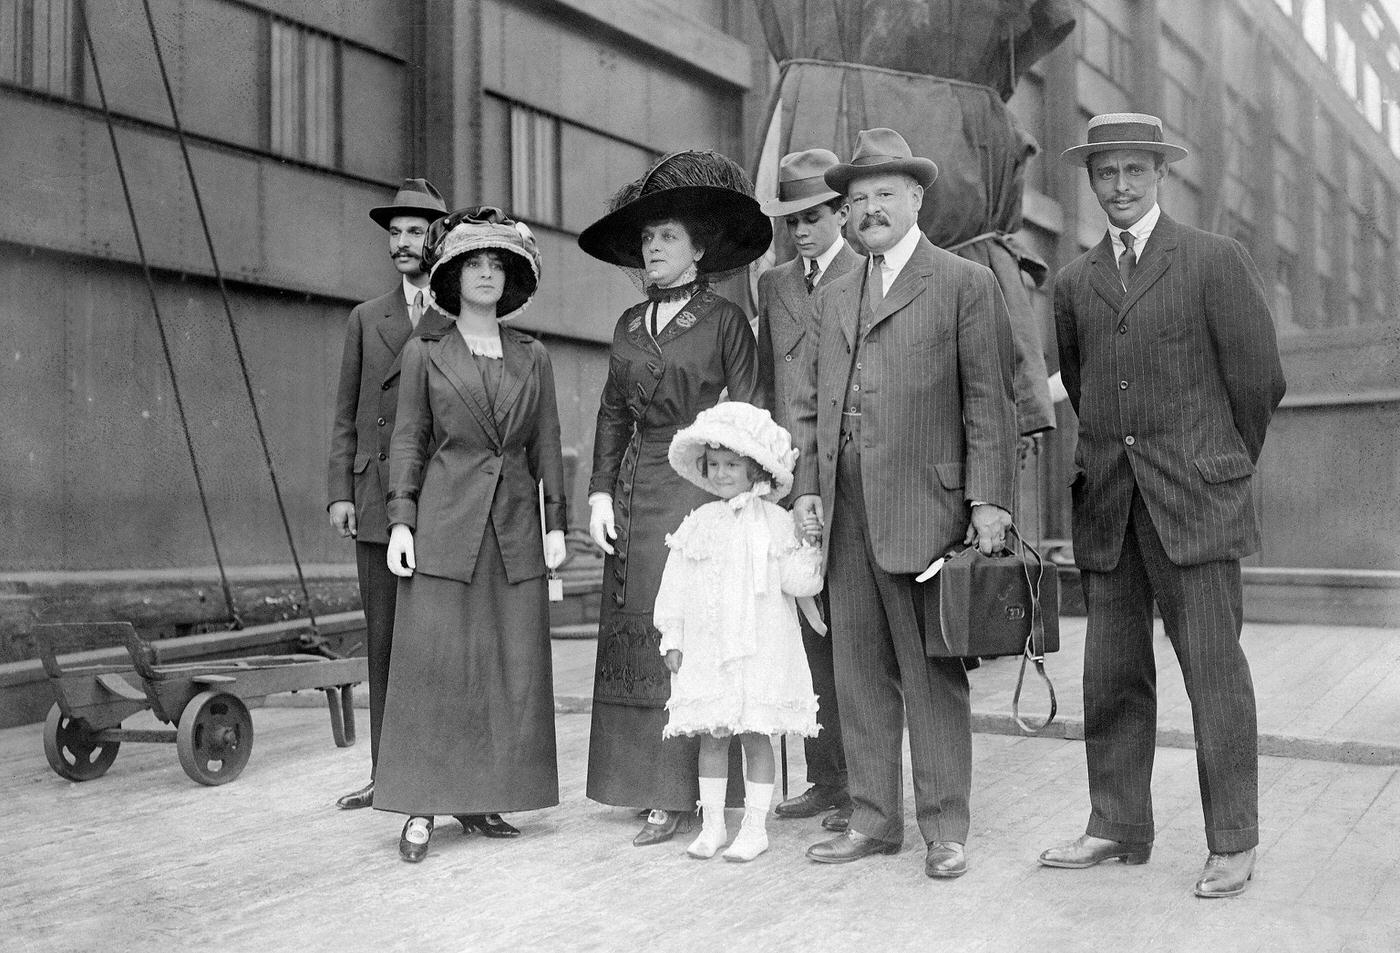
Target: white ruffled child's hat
<point x="743" y="428"/>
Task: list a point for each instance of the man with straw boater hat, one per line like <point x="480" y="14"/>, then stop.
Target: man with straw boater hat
<point x="906" y="428"/>
<point x="814" y="215"/>
<point x="365" y="404"/>
<point x="1167" y="351"/>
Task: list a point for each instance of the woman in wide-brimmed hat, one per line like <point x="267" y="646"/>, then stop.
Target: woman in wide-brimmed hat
<point x="469" y="719"/>
<point x="691" y="219"/>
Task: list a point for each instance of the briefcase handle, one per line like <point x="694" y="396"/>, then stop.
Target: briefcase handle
<point x="1035" y="641"/>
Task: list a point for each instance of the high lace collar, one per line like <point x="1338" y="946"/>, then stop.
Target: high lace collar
<point x="676" y="293"/>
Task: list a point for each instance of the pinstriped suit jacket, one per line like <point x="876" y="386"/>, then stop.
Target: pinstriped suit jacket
<point x="938" y="420"/>
<point x="1174" y="382"/>
<point x="784" y="318"/>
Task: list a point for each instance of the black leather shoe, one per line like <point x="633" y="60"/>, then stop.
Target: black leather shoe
<point x="945" y="860"/>
<point x="811" y="802"/>
<point x="489" y="825"/>
<point x="364" y="797"/>
<point x="409" y="850"/>
<point x="1086" y="851"/>
<point x="1226" y="875"/>
<point x="839" y="820"/>
<point x="852" y="845"/>
<point x="661" y="826"/>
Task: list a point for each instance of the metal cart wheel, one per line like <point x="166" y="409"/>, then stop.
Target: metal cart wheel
<point x="215" y="737"/>
<point x="73" y="750"/>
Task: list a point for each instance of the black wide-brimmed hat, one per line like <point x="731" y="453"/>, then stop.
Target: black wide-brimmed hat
<point x="1124" y="131"/>
<point x="474" y="229"/>
<point x="415" y="197"/>
<point x="702" y="184"/>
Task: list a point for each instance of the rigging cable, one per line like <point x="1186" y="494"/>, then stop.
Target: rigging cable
<point x="160" y="322"/>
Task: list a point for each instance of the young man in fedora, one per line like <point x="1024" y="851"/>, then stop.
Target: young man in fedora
<point x="906" y="428"/>
<point x="1168" y="353"/>
<point x="366" y="399"/>
<point x="814" y="215"/>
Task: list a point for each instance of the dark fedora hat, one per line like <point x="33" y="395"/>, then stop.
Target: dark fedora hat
<point x="700" y="184"/>
<point x="1123" y="131"/>
<point x="881" y="152"/>
<point x="802" y="183"/>
<point x="415" y="197"/>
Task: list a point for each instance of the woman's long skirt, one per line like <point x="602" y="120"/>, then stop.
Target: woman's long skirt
<point x="469" y="716"/>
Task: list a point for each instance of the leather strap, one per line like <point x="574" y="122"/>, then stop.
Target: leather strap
<point x="1035" y="641"/>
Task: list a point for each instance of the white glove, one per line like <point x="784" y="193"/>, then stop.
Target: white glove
<point x="600" y="521"/>
<point x="401" y="561"/>
<point x="554" y="548"/>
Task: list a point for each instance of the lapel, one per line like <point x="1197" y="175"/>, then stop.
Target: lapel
<point x="1156" y="259"/>
<point x="515" y="371"/>
<point x="846" y="259"/>
<point x="845" y="300"/>
<point x="909" y="283"/>
<point x="1103" y="273"/>
<point x="451" y="356"/>
<point x="787" y="318"/>
<point x="394" y="330"/>
<point x="692" y="314"/>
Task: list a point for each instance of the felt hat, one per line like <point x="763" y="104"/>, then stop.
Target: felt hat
<point x="706" y="185"/>
<point x="801" y="182"/>
<point x="472" y="229"/>
<point x="743" y="428"/>
<point x="1123" y="131"/>
<point x="881" y="152"/>
<point x="415" y="197"/>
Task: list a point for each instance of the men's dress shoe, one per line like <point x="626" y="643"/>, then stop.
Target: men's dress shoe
<point x="839" y="820"/>
<point x="489" y="825"/>
<point x="852" y="845"/>
<point x="946" y="859"/>
<point x="661" y="826"/>
<point x="811" y="802"/>
<point x="411" y="848"/>
<point x="364" y="797"/>
<point x="1086" y="851"/>
<point x="1226" y="875"/>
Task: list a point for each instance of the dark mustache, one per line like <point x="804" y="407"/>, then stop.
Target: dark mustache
<point x="403" y="251"/>
<point x="873" y="218"/>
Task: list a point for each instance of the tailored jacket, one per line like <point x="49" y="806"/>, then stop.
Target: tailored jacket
<point x="1174" y="382"/>
<point x="490" y="459"/>
<point x="784" y="321"/>
<point x="938" y="419"/>
<point x="366" y="401"/>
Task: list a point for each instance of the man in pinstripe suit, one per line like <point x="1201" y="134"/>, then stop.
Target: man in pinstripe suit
<point x="906" y="425"/>
<point x="1168" y="353"/>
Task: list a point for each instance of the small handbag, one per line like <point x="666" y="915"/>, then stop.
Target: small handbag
<point x="977" y="606"/>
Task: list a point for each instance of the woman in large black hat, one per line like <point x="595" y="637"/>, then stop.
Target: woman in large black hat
<point x="469" y="718"/>
<point x="690" y="220"/>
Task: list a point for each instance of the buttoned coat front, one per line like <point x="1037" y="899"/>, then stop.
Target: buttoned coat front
<point x="1174" y="380"/>
<point x="366" y="403"/>
<point x="490" y="456"/>
<point x="785" y="318"/>
<point x="938" y="424"/>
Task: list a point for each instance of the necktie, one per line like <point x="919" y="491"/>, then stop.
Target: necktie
<point x="415" y="313"/>
<point x="877" y="282"/>
<point x="811" y="275"/>
<point x="1128" y="260"/>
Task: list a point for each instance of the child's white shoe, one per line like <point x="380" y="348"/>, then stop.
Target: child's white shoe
<point x="752" y="838"/>
<point x="713" y="833"/>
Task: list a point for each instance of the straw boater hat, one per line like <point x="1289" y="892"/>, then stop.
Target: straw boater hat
<point x="468" y="230"/>
<point x="704" y="184"/>
<point x="881" y="152"/>
<point x="1123" y="131"/>
<point x="415" y="197"/>
<point x="743" y="428"/>
<point x="801" y="184"/>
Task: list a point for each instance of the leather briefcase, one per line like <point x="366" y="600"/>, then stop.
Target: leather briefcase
<point x="977" y="606"/>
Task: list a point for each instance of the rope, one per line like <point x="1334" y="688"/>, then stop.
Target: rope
<point x="160" y="322"/>
<point x="228" y="313"/>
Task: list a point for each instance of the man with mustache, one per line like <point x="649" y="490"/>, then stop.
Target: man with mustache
<point x="365" y="404"/>
<point x="1167" y="350"/>
<point x="906" y="427"/>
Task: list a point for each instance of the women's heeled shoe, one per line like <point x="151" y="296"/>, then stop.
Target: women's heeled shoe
<point x="661" y="826"/>
<point x="413" y="842"/>
<point x="489" y="825"/>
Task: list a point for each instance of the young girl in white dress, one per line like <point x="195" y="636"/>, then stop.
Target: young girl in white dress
<point x="727" y="616"/>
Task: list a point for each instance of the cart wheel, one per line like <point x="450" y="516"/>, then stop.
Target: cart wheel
<point x="73" y="750"/>
<point x="215" y="737"/>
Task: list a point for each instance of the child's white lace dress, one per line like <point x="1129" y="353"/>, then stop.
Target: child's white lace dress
<point x="726" y="601"/>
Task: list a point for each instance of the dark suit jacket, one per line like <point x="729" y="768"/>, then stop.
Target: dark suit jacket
<point x="1174" y="382"/>
<point x="490" y="456"/>
<point x="784" y="320"/>
<point x="365" y="403"/>
<point x="938" y="425"/>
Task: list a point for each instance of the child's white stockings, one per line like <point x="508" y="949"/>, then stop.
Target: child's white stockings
<point x="752" y="838"/>
<point x="713" y="833"/>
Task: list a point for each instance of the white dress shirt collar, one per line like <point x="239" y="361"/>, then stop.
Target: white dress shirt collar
<point x="410" y="292"/>
<point x="825" y="259"/>
<point x="898" y="256"/>
<point x="1141" y="230"/>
